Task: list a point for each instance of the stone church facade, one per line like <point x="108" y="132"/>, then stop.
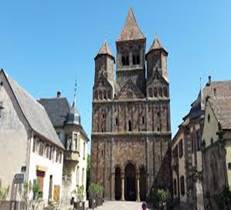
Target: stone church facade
<point x="131" y="128"/>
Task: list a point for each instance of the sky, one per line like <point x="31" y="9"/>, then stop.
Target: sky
<point x="47" y="45"/>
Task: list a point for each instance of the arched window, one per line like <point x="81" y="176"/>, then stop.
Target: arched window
<point x="165" y="92"/>
<point x="136" y="59"/>
<point x="100" y="94"/>
<point x="150" y="92"/>
<point x="125" y="60"/>
<point x="109" y="94"/>
<point x="182" y="186"/>
<point x="105" y="94"/>
<point x="129" y="125"/>
<point x="160" y="92"/>
<point x="96" y="94"/>
<point x="155" y="92"/>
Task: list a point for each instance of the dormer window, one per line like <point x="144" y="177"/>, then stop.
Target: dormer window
<point x="136" y="59"/>
<point x="125" y="60"/>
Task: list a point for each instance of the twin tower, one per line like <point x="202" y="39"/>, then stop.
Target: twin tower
<point x="131" y="117"/>
<point x="130" y="60"/>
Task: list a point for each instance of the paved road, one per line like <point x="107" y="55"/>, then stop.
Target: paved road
<point x="120" y="205"/>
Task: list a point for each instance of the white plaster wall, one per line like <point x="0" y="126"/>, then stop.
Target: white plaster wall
<point x="82" y="163"/>
<point x="13" y="138"/>
<point x="52" y="168"/>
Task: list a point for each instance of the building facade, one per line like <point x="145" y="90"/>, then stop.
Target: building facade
<point x="190" y="133"/>
<point x="67" y="123"/>
<point x="30" y="150"/>
<point x="131" y="117"/>
<point x="216" y="150"/>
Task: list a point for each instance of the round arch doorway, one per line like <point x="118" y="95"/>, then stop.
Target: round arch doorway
<point x="130" y="182"/>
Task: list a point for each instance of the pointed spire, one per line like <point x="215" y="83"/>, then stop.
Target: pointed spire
<point x="75" y="95"/>
<point x="105" y="50"/>
<point x="131" y="30"/>
<point x="156" y="45"/>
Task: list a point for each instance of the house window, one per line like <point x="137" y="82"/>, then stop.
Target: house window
<point x="125" y="60"/>
<point x="84" y="150"/>
<point x="129" y="125"/>
<point x="60" y="157"/>
<point x="34" y="144"/>
<point x="181" y="148"/>
<point x="47" y="151"/>
<point x="83" y="174"/>
<point x="41" y="148"/>
<point x="75" y="142"/>
<point x="182" y="187"/>
<point x="1" y="108"/>
<point x="136" y="59"/>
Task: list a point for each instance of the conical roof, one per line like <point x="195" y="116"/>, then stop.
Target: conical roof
<point x="156" y="45"/>
<point x="131" y="30"/>
<point x="105" y="50"/>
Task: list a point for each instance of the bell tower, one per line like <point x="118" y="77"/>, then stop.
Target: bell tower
<point x="130" y="59"/>
<point x="157" y="60"/>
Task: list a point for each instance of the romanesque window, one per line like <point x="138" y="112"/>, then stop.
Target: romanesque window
<point x="175" y="187"/>
<point x="125" y="60"/>
<point x="160" y="92"/>
<point x="109" y="94"/>
<point x="129" y="125"/>
<point x="155" y="92"/>
<point x="116" y="121"/>
<point x="150" y="92"/>
<point x="165" y="91"/>
<point x="143" y="120"/>
<point x="136" y="59"/>
<point x="105" y="94"/>
<point x="215" y="92"/>
<point x="100" y="94"/>
<point x="96" y="94"/>
<point x="181" y="148"/>
<point x="208" y="118"/>
<point x="182" y="186"/>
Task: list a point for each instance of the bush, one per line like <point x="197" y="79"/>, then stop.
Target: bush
<point x="3" y="192"/>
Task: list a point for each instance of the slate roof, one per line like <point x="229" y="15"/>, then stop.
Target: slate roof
<point x="105" y="50"/>
<point x="156" y="45"/>
<point x="57" y="109"/>
<point x="222" y="111"/>
<point x="34" y="112"/>
<point x="60" y="112"/>
<point x="131" y="30"/>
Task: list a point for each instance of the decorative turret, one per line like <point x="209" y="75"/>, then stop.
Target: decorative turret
<point x="157" y="59"/>
<point x="130" y="53"/>
<point x="73" y="117"/>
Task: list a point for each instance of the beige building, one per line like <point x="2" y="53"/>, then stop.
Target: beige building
<point x="190" y="132"/>
<point x="216" y="149"/>
<point x="30" y="149"/>
<point x="67" y="122"/>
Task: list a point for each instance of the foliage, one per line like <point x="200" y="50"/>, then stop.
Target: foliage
<point x="159" y="196"/>
<point x="3" y="192"/>
<point x="79" y="192"/>
<point x="95" y="190"/>
<point x="223" y="199"/>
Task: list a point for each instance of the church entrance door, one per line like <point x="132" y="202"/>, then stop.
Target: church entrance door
<point x="130" y="182"/>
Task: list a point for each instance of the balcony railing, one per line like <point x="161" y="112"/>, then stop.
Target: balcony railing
<point x="71" y="155"/>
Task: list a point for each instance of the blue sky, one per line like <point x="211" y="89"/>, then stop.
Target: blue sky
<point x="46" y="45"/>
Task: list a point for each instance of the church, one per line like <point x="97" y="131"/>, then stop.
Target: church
<point x="131" y="128"/>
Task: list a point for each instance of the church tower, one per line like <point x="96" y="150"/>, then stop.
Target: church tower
<point x="130" y="58"/>
<point x="131" y="117"/>
<point x="104" y="74"/>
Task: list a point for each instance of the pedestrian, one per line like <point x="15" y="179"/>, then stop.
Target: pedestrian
<point x="144" y="206"/>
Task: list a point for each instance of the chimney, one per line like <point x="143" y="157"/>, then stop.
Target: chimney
<point x="58" y="94"/>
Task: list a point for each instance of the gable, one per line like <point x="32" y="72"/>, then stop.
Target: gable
<point x="129" y="91"/>
<point x="102" y="82"/>
<point x="157" y="79"/>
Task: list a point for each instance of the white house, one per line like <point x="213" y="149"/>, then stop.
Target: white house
<point x="30" y="150"/>
<point x="67" y="122"/>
